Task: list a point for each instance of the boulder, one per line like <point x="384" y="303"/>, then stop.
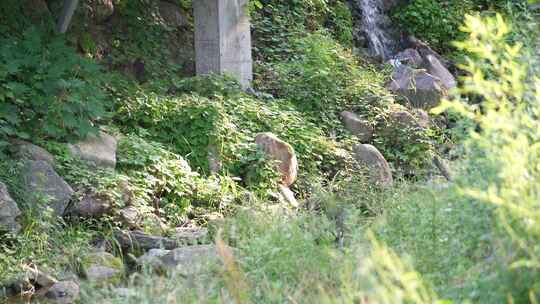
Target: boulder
<point x="46" y="186"/>
<point x="130" y="217"/>
<point x="357" y="126"/>
<point x="410" y="57"/>
<point x="9" y="211"/>
<point x="372" y="159"/>
<point x="172" y="15"/>
<point x="190" y="260"/>
<point x="437" y="69"/>
<point x="283" y="153"/>
<point x="64" y="292"/>
<point x="102" y="268"/>
<point x="421" y="89"/>
<point x="25" y="150"/>
<point x="92" y="206"/>
<point x="191" y="235"/>
<point x="97" y="150"/>
<point x="139" y="240"/>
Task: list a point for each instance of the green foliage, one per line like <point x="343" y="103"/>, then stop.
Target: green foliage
<point x="47" y="90"/>
<point x="438" y="22"/>
<point x="508" y="120"/>
<point x="323" y="79"/>
<point x="227" y="120"/>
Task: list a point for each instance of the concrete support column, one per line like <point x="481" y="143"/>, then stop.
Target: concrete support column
<point x="223" y="39"/>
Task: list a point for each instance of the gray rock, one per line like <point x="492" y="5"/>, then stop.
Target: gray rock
<point x="437" y="69"/>
<point x="96" y="150"/>
<point x="357" y="126"/>
<point x="409" y="57"/>
<point x="9" y="211"/>
<point x="140" y="240"/>
<point x="92" y="206"/>
<point x="47" y="187"/>
<point x="371" y="158"/>
<point x="64" y="292"/>
<point x="280" y="151"/>
<point x="422" y="118"/>
<point x="191" y="235"/>
<point x="130" y="217"/>
<point x="25" y="150"/>
<point x="191" y="260"/>
<point x="102" y="268"/>
<point x="421" y="89"/>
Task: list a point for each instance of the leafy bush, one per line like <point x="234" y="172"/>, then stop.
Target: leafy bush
<point x="228" y="120"/>
<point x="438" y="22"/>
<point x="47" y="90"/>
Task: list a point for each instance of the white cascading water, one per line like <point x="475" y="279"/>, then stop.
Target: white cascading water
<point x="379" y="43"/>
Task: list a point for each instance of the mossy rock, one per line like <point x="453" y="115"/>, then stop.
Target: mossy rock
<point x="103" y="268"/>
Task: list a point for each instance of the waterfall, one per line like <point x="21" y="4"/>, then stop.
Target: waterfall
<point x="375" y="25"/>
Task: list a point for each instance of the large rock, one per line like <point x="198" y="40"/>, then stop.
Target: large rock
<point x="371" y="158"/>
<point x="190" y="260"/>
<point x="437" y="69"/>
<point x="421" y="89"/>
<point x="97" y="150"/>
<point x="410" y="57"/>
<point x="191" y="235"/>
<point x="283" y="153"/>
<point x="25" y="150"/>
<point x="92" y="206"/>
<point x="46" y="186"/>
<point x="8" y="211"/>
<point x="172" y="15"/>
<point x="103" y="268"/>
<point x="357" y="126"/>
<point x="64" y="292"/>
<point x="129" y="240"/>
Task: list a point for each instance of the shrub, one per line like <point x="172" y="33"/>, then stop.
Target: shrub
<point x="47" y="90"/>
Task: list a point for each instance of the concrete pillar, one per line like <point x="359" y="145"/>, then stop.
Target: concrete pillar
<point x="223" y="39"/>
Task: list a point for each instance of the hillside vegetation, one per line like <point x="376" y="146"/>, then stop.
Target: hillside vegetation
<point x="457" y="221"/>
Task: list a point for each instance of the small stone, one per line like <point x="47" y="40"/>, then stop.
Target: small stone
<point x="40" y="179"/>
<point x="369" y="156"/>
<point x="9" y="211"/>
<point x="64" y="292"/>
<point x="99" y="151"/>
<point x="357" y="126"/>
<point x="283" y="153"/>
